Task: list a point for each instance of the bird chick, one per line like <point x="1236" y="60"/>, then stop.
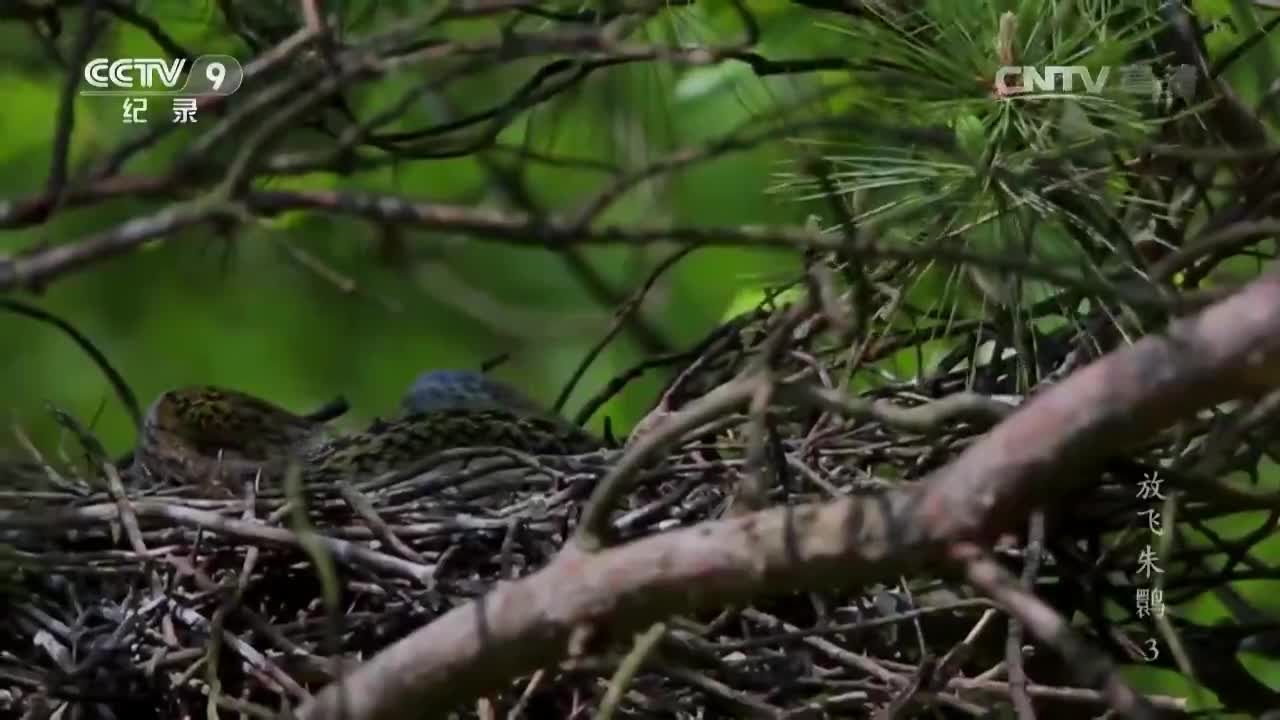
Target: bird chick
<point x="449" y="389"/>
<point x="218" y="437"/>
<point x="403" y="442"/>
<point x="436" y="391"/>
<point x="208" y="434"/>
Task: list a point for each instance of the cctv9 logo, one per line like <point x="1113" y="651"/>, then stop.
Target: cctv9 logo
<point x="209" y="75"/>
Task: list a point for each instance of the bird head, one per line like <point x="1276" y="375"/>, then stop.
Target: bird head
<point x="450" y="389"/>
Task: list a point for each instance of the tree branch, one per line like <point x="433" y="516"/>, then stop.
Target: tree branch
<point x="1230" y="350"/>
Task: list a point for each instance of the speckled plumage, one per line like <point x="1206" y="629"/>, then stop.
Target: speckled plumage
<point x="206" y="435"/>
<point x="399" y="443"/>
<point x="203" y="433"/>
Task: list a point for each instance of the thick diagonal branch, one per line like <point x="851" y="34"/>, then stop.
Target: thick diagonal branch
<point x="1230" y="350"/>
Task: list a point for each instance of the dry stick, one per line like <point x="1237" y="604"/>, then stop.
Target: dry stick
<point x="90" y="28"/>
<point x="1092" y="667"/>
<point x="926" y="419"/>
<point x="753" y="489"/>
<point x="317" y="23"/>
<point x="30" y="210"/>
<point x="860" y="284"/>
<point x="1084" y="696"/>
<point x="1013" y="646"/>
<point x="650" y="340"/>
<point x="857" y="661"/>
<point x="51" y="475"/>
<point x="534" y="682"/>
<point x="1230" y="350"/>
<point x="123" y="635"/>
<point x="951" y="663"/>
<point x="344" y="284"/>
<point x="592" y="531"/>
<point x="212" y="659"/>
<point x="251" y="555"/>
<point x="259" y="624"/>
<point x="908" y="695"/>
<point x="628" y="668"/>
<point x="1163" y="624"/>
<point x="251" y="655"/>
<point x="842" y="628"/>
<point x="218" y="635"/>
<point x="345" y="551"/>
<point x="363" y="507"/>
<point x="697" y="359"/>
<point x="744" y="704"/>
<point x="32" y="270"/>
<point x="624" y="313"/>
<point x="128" y="517"/>
<point x="321" y="555"/>
<point x="124" y="507"/>
<point x="245" y="708"/>
<point x="506" y="563"/>
<point x="877" y="668"/>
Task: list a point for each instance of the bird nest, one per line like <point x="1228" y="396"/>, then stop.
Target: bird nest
<point x="125" y="602"/>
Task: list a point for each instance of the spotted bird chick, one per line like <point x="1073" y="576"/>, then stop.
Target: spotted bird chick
<point x="218" y="436"/>
<point x="404" y="442"/>
<point x="454" y="390"/>
<point x="205" y="434"/>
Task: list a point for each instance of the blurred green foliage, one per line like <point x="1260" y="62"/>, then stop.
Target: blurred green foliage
<point x="248" y="313"/>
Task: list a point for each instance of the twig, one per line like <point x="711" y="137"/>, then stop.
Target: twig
<point x="631" y="306"/>
<point x="118" y="383"/>
<point x="1093" y="668"/>
<point x="628" y="668"/>
<point x="1013" y="645"/>
<point x="66" y="121"/>
<point x="361" y="505"/>
<point x="343" y="550"/>
<point x="593" y="530"/>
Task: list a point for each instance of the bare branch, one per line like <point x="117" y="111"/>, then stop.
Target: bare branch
<point x="1230" y="350"/>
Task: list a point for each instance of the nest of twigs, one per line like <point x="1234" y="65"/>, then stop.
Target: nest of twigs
<point x="138" y="603"/>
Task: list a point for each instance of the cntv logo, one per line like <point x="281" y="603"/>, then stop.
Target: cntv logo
<point x="134" y="73"/>
<point x="1013" y="80"/>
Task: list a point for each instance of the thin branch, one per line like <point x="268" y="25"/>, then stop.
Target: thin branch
<point x="628" y="308"/>
<point x="64" y="126"/>
<point x="1093" y="668"/>
<point x="123" y="392"/>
